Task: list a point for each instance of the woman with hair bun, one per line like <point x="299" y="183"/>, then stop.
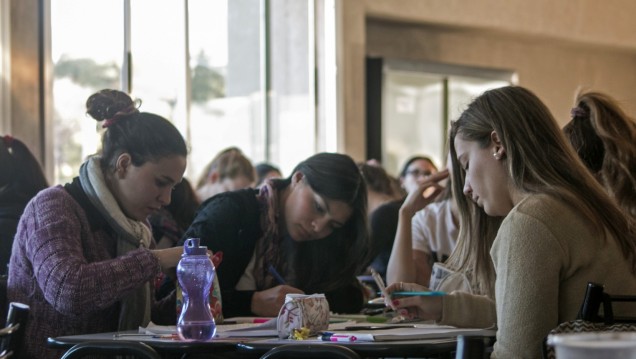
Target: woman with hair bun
<point x="82" y="257"/>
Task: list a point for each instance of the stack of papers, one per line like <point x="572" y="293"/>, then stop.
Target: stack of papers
<point x="388" y="332"/>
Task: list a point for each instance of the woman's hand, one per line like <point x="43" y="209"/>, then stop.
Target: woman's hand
<point x="267" y="303"/>
<point x="425" y="193"/>
<point x="422" y="307"/>
<point x="168" y="258"/>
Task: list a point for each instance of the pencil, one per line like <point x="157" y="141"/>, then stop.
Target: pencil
<point x="382" y="287"/>
<point x="419" y="294"/>
<point x="276" y="275"/>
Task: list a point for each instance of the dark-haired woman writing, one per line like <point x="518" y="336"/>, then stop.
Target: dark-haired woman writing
<point x="310" y="228"/>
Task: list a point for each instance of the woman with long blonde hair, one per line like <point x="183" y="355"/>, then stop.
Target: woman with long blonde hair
<point x="559" y="228"/>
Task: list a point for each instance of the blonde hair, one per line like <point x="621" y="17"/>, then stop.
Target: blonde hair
<point x="538" y="160"/>
<point x="229" y="163"/>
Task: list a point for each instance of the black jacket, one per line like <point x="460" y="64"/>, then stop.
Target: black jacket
<point x="230" y="222"/>
<point x="11" y="208"/>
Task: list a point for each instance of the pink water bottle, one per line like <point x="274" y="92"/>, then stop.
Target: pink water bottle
<point x="195" y="273"/>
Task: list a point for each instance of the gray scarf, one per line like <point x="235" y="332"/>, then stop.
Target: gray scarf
<point x="130" y="235"/>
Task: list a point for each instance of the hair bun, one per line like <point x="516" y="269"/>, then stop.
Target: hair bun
<point x="107" y="104"/>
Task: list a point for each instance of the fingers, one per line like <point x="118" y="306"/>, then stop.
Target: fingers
<point x="436" y="177"/>
<point x="287" y="289"/>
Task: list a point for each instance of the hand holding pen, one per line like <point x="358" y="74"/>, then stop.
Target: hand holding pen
<point x="267" y="303"/>
<point x="419" y="300"/>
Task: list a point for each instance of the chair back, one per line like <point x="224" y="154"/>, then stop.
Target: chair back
<point x="308" y="351"/>
<point x="595" y="296"/>
<point x="589" y="320"/>
<point x="473" y="347"/>
<point x="13" y="333"/>
<point x="105" y="347"/>
<point x="3" y="298"/>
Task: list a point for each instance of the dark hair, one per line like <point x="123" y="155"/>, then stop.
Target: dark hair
<point x="603" y="136"/>
<point x="583" y="137"/>
<point x="262" y="169"/>
<point x="20" y="172"/>
<point x="331" y="262"/>
<point x="145" y="136"/>
<point x="377" y="179"/>
<point x="413" y="159"/>
<point x="183" y="204"/>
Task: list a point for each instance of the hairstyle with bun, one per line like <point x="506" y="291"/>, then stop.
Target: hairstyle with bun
<point x="145" y="136"/>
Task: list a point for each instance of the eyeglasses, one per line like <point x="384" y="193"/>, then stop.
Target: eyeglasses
<point x="417" y="173"/>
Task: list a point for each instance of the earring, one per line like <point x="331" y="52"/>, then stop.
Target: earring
<point x="496" y="155"/>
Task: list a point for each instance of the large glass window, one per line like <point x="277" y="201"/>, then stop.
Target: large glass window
<point x="5" y="102"/>
<point x="87" y="54"/>
<point x="418" y="102"/>
<point x="206" y="65"/>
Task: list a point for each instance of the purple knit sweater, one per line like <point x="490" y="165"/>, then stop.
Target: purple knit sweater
<point x="68" y="272"/>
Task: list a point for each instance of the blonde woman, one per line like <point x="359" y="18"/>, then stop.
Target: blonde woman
<point x="229" y="170"/>
<point x="559" y="230"/>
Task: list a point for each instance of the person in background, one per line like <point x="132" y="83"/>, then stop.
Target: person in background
<point x="415" y="171"/>
<point x="82" y="257"/>
<point x="21" y="178"/>
<point x="303" y="234"/>
<point x="604" y="137"/>
<point x="560" y="229"/>
<point x="383" y="207"/>
<point x="427" y="232"/>
<point x="170" y="222"/>
<point x="229" y="170"/>
<point x="265" y="171"/>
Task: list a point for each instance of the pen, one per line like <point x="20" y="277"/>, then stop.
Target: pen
<point x="376" y="327"/>
<point x="276" y="275"/>
<point x="155" y="336"/>
<point x="385" y="294"/>
<point x="331" y="337"/>
<point x="247" y="320"/>
<point x="419" y="294"/>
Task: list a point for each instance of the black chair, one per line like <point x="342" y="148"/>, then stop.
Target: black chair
<point x="6" y="333"/>
<point x="13" y="333"/>
<point x="100" y="347"/>
<point x="473" y="347"/>
<point x="595" y="296"/>
<point x="308" y="351"/>
<point x="589" y="319"/>
<point x="3" y="297"/>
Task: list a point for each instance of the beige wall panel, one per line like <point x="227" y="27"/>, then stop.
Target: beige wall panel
<point x="552" y="69"/>
<point x="353" y="124"/>
<point x="588" y="21"/>
<point x="25" y="96"/>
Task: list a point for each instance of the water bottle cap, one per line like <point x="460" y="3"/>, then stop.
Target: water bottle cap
<point x="191" y="247"/>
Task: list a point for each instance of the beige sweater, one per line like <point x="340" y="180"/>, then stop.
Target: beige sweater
<point x="545" y="253"/>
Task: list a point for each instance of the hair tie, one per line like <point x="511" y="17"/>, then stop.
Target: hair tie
<point x="120" y="114"/>
<point x="578" y="112"/>
<point x="8" y="141"/>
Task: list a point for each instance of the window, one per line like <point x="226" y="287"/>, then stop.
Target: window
<point x="225" y="72"/>
<point x="5" y="102"/>
<point x="418" y="101"/>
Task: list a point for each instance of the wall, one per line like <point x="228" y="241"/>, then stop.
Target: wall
<point x="554" y="46"/>
<point x="553" y="69"/>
